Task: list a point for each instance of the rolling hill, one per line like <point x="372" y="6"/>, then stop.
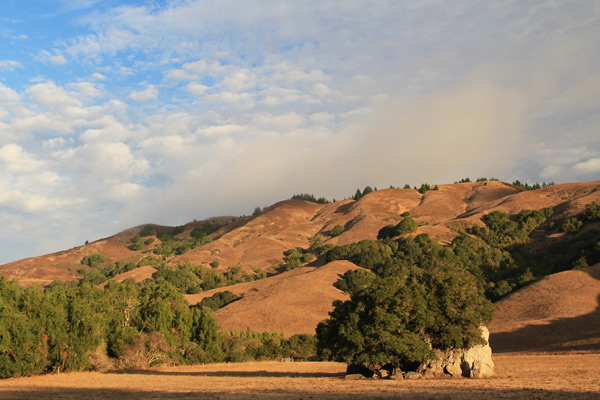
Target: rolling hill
<point x="295" y="301"/>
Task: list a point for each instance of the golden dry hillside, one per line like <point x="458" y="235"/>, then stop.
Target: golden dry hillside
<point x="258" y="242"/>
<point x="291" y="302"/>
<point x="559" y="312"/>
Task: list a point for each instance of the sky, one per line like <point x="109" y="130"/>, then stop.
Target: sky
<point x="115" y="113"/>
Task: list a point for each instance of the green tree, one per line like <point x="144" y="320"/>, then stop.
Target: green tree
<point x="205" y="332"/>
<point x="571" y="225"/>
<point x="397" y="320"/>
<point x="148" y="230"/>
<point x="337" y="230"/>
<point x="93" y="260"/>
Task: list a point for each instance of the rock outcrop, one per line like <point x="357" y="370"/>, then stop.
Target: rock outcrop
<point x="475" y="362"/>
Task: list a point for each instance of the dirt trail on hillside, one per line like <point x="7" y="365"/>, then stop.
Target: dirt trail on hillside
<point x="567" y="376"/>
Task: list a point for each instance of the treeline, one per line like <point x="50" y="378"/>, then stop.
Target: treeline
<point x="123" y="325"/>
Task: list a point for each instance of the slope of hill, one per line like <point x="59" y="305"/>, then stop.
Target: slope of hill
<point x="292" y="302"/>
<point x="258" y="242"/>
<point x="559" y="312"/>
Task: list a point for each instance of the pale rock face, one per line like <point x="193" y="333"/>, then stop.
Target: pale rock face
<point x="475" y="362"/>
<point x="478" y="359"/>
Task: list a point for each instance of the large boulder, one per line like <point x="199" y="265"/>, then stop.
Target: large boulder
<point x="475" y="362"/>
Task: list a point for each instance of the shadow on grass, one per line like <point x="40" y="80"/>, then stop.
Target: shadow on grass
<point x="233" y="374"/>
<point x="43" y="393"/>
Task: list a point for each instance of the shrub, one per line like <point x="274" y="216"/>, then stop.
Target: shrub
<point x="219" y="300"/>
<point x="178" y="230"/>
<point x="424" y="187"/>
<point x="136" y="243"/>
<point x="93" y="260"/>
<point x="592" y="212"/>
<point x="148" y="230"/>
<point x="337" y="230"/>
<point x="407" y="225"/>
<point x="571" y="225"/>
<point x="311" y="198"/>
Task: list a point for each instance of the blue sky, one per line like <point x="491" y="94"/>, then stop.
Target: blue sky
<point x="118" y="113"/>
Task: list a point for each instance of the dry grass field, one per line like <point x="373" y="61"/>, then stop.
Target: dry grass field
<point x="518" y="376"/>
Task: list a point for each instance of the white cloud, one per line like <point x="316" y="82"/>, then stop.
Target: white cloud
<point x="196" y="88"/>
<point x="17" y="161"/>
<point x="150" y="93"/>
<point x="56" y="59"/>
<point x="181" y="75"/>
<point x="86" y="89"/>
<point x="239" y="81"/>
<point x="240" y="100"/>
<point x="51" y="96"/>
<point x="10" y="65"/>
<point x="98" y="76"/>
<point x="590" y="166"/>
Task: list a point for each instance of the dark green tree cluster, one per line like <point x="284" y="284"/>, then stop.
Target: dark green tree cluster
<point x="293" y="258"/>
<point x="248" y="345"/>
<point x="178" y="230"/>
<point x="218" y="300"/>
<point x="535" y="186"/>
<point x="97" y="276"/>
<point x="205" y="229"/>
<point x="148" y="230"/>
<point x="416" y="298"/>
<point x="407" y="225"/>
<point x="503" y="255"/>
<point x="426" y="187"/>
<point x="123" y="325"/>
<point x="169" y="245"/>
<point x="337" y="230"/>
<point x="359" y="195"/>
<point x="311" y="198"/>
<point x="190" y="279"/>
<point x="93" y="261"/>
<point x="64" y="328"/>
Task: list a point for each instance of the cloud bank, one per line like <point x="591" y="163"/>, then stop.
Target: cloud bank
<point x="168" y="113"/>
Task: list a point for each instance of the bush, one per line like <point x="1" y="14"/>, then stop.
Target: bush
<point x="571" y="225"/>
<point x="337" y="230"/>
<point x="407" y="225"/>
<point x="178" y="230"/>
<point x="219" y="300"/>
<point x="93" y="260"/>
<point x="311" y="198"/>
<point x="136" y="243"/>
<point x="424" y="188"/>
<point x="592" y="212"/>
<point x="148" y="230"/>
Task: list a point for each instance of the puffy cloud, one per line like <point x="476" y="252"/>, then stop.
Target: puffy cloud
<point x="196" y="88"/>
<point x="51" y="96"/>
<point x="150" y="93"/>
<point x="590" y="166"/>
<point x="16" y="160"/>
